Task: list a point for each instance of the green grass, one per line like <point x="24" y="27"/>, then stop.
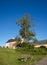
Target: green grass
<point x="10" y="56"/>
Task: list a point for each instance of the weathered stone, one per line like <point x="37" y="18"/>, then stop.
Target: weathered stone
<point x="25" y="57"/>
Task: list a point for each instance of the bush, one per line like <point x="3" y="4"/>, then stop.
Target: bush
<point x="42" y="47"/>
<point x="24" y="44"/>
<point x="27" y="48"/>
<point x="31" y="46"/>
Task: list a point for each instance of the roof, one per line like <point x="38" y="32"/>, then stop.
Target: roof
<point x="10" y="40"/>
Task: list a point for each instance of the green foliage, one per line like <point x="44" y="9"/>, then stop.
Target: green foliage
<point x="25" y="25"/>
<point x="18" y="40"/>
<point x="24" y="44"/>
<point x="42" y="47"/>
<point x="27" y="48"/>
<point x="35" y="40"/>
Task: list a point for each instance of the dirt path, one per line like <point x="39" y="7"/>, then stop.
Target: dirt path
<point x="42" y="62"/>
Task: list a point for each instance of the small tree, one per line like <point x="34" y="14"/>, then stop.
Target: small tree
<point x="25" y="25"/>
<point x="35" y="40"/>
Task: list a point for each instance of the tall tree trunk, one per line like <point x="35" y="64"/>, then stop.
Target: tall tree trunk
<point x="25" y="39"/>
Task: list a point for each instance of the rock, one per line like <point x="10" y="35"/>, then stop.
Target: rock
<point x="25" y="57"/>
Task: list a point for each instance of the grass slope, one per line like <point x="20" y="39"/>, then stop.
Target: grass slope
<point x="10" y="57"/>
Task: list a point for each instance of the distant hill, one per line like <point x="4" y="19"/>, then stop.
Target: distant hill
<point x="41" y="42"/>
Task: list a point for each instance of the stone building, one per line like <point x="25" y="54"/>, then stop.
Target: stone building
<point x="12" y="43"/>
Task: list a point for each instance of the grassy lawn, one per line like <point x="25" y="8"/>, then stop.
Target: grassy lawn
<point x="10" y="57"/>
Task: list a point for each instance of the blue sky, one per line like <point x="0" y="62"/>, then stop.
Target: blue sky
<point x="12" y="10"/>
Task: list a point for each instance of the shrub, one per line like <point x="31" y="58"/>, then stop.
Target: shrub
<point x="24" y="44"/>
<point x="42" y="47"/>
